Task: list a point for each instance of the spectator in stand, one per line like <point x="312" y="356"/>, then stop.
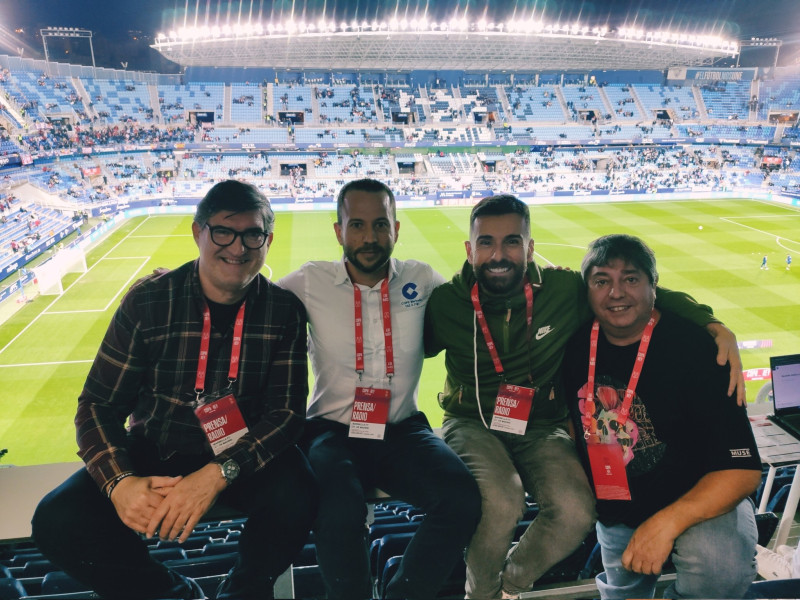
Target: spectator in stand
<point x="365" y="429"/>
<point x="210" y="341"/>
<point x="671" y="455"/>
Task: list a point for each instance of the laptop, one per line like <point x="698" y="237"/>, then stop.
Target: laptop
<point x="786" y="392"/>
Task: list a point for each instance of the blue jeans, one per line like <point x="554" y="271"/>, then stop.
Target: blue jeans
<point x="713" y="559"/>
<point x="411" y="464"/>
<point x="543" y="462"/>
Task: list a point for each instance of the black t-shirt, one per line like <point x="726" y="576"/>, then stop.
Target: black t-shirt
<point x="682" y="425"/>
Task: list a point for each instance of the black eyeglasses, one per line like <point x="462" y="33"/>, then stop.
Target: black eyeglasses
<point x="252" y="239"/>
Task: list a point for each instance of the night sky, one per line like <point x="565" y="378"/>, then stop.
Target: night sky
<point x="123" y="30"/>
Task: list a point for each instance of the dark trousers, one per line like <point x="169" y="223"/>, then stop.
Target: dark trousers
<point x="411" y="464"/>
<point x="78" y="529"/>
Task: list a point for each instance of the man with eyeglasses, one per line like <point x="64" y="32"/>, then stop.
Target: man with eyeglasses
<point x="207" y="366"/>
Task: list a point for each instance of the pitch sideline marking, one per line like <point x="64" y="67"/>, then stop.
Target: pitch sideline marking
<point x="778" y="238"/>
<point x="57" y="363"/>
<point x="36" y="318"/>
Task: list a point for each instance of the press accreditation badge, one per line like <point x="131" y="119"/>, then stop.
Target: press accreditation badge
<point x="222" y="422"/>
<point x="512" y="409"/>
<point x="608" y="472"/>
<point x="370" y="413"/>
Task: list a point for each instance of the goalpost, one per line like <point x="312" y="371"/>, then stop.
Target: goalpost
<point x="50" y="272"/>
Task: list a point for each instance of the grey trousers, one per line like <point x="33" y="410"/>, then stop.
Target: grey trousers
<point x="543" y="463"/>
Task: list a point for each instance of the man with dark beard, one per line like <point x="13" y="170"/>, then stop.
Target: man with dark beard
<point x="504" y="324"/>
<point x="365" y="316"/>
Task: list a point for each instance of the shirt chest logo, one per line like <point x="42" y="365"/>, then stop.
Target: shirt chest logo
<point x="543" y="331"/>
<point x="411" y="296"/>
<point x="410" y="291"/>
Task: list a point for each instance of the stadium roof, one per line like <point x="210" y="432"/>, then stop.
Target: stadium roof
<point x="482" y="48"/>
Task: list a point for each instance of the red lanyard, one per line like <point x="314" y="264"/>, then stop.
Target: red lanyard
<point x="205" y="339"/>
<point x="386" y="313"/>
<point x="588" y="406"/>
<point x="487" y="335"/>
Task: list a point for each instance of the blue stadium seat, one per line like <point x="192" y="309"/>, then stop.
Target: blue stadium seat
<point x="411" y="512"/>
<point x="593" y="564"/>
<point x="58" y="582"/>
<point x="392" y="544"/>
<point x="766" y="523"/>
<point x="452" y="587"/>
<point x="209" y="584"/>
<point x="201" y="566"/>
<point x="20" y="558"/>
<point x="195" y="542"/>
<point x="220" y="548"/>
<point x="163" y="554"/>
<point x="381" y="529"/>
<point x="388" y="571"/>
<point x="38" y="568"/>
<point x="778" y="502"/>
<point x="522" y="526"/>
<point x="392" y="519"/>
<point x="782" y="478"/>
<point x="11" y="589"/>
<point x="233" y="536"/>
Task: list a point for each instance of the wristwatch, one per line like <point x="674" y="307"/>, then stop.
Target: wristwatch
<point x="230" y="470"/>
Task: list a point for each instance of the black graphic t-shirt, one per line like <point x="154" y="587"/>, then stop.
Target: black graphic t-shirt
<point x="681" y="426"/>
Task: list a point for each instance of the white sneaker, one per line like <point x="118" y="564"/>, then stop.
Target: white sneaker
<point x="772" y="565"/>
<point x="787" y="551"/>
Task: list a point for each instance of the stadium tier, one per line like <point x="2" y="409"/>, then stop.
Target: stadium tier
<point x="75" y="142"/>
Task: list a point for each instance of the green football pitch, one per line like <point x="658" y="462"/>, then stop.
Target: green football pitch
<point x="710" y="249"/>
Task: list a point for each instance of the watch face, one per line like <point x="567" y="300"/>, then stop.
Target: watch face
<point x="231" y="470"/>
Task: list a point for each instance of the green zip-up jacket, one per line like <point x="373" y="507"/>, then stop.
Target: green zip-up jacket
<point x="560" y="306"/>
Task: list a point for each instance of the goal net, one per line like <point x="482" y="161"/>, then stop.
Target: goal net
<point x="50" y="273"/>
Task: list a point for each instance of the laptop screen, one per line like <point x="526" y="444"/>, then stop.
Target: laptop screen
<point x="786" y="382"/>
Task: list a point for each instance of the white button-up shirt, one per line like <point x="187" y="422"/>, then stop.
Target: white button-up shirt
<point x="326" y="291"/>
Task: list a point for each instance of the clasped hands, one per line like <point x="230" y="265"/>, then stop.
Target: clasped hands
<point x="168" y="506"/>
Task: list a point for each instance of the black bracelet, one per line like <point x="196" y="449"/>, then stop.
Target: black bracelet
<point x="114" y="483"/>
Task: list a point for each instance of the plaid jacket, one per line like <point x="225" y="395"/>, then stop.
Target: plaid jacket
<point x="144" y="374"/>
